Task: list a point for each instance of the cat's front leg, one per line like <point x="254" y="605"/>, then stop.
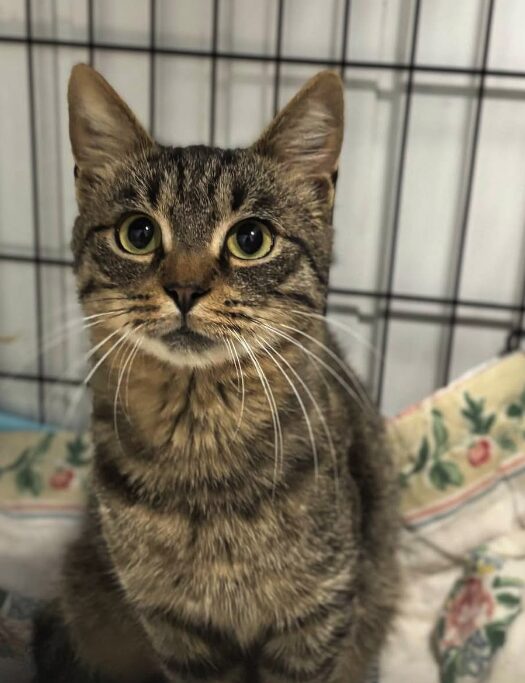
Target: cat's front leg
<point x="189" y="653"/>
<point x="319" y="651"/>
<point x="56" y="657"/>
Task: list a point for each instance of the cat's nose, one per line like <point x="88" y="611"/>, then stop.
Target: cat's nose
<point x="185" y="296"/>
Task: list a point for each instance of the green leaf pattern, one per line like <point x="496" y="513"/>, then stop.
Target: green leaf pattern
<point x="474" y="413"/>
<point x="433" y="461"/>
<point x="26" y="468"/>
<point x="430" y="459"/>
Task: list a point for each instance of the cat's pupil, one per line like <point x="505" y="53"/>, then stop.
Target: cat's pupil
<point x="140" y="232"/>
<point x="250" y="238"/>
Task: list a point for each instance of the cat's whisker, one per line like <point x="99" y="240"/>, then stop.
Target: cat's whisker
<point x="346" y="328"/>
<point x="274" y="402"/>
<point x="78" y="394"/>
<point x="303" y="408"/>
<point x="116" y="358"/>
<point x="234" y="361"/>
<point x="122" y="356"/>
<point x="76" y="364"/>
<point x="352" y="387"/>
<point x="95" y="348"/>
<point x="104" y="299"/>
<point x="57" y="311"/>
<point x="126" y="390"/>
<point x="271" y="402"/>
<point x="120" y="340"/>
<point x="119" y="382"/>
<point x="354" y="390"/>
<point x="320" y="414"/>
<point x="55" y="337"/>
<point x="240" y="383"/>
<point x="243" y="390"/>
<point x="59" y="331"/>
<point x="78" y="319"/>
<point x="348" y="388"/>
<point x="334" y="357"/>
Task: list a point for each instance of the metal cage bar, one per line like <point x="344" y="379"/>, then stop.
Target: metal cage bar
<point x="152" y="64"/>
<point x="397" y="201"/>
<point x="39" y="303"/>
<point x="278" y="56"/>
<point x="91" y="32"/>
<point x="264" y="58"/>
<point x="344" y="37"/>
<point x="213" y="79"/>
<point x="389" y="301"/>
<point x="445" y="376"/>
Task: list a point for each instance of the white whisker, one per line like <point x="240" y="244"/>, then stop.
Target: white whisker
<point x="363" y="397"/>
<point x="81" y="389"/>
<point x="240" y="383"/>
<point x="119" y="382"/>
<point x="271" y="402"/>
<point x="322" y="418"/>
<point x="95" y="348"/>
<point x="349" y="389"/>
<point x="228" y="344"/>
<point x="126" y="391"/>
<point x="243" y="390"/>
<point x="61" y="334"/>
<point x="119" y="341"/>
<point x="346" y="328"/>
<point x="303" y="408"/>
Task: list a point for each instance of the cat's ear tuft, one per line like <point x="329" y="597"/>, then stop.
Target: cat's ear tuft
<point x="308" y="133"/>
<point x="102" y="127"/>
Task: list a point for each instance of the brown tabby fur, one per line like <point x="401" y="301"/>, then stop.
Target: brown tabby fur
<point x="214" y="549"/>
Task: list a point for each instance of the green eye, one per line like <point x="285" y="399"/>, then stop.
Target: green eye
<point x="250" y="239"/>
<point x="139" y="234"/>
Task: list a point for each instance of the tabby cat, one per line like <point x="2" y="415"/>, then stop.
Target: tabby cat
<point x="242" y="522"/>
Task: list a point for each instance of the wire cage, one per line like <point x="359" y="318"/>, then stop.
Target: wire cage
<point x="428" y="274"/>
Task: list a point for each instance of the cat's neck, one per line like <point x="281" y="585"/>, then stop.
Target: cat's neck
<point x="178" y="409"/>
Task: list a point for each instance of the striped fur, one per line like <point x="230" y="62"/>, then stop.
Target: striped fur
<point x="217" y="547"/>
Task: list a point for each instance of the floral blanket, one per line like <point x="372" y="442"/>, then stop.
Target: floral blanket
<point x="461" y="457"/>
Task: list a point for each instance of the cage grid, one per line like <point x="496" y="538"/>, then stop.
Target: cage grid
<point x="385" y="298"/>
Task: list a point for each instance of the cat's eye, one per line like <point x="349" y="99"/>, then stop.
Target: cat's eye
<point x="250" y="239"/>
<point x="139" y="234"/>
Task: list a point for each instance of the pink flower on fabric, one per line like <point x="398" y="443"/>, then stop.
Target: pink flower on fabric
<point x="469" y="610"/>
<point x="62" y="478"/>
<point x="479" y="453"/>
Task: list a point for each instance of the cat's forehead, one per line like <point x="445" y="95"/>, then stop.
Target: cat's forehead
<point x="197" y="187"/>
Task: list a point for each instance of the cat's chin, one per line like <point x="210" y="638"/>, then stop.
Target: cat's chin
<point x="186" y="349"/>
<point x="184" y="339"/>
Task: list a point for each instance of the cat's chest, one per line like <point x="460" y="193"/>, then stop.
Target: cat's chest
<point x="218" y="514"/>
<point x="206" y="570"/>
<point x="201" y="414"/>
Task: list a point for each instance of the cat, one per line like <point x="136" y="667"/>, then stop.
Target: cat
<point x="243" y="518"/>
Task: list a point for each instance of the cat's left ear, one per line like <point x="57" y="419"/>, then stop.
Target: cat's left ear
<point x="102" y="127"/>
<point x="306" y="136"/>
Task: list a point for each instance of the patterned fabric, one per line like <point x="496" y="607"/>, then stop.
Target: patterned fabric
<point x="474" y="621"/>
<point x="461" y="456"/>
<point x="462" y="442"/>
<point x="49" y="467"/>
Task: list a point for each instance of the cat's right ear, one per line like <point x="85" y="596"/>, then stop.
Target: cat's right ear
<point x="306" y="136"/>
<point x="102" y="127"/>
